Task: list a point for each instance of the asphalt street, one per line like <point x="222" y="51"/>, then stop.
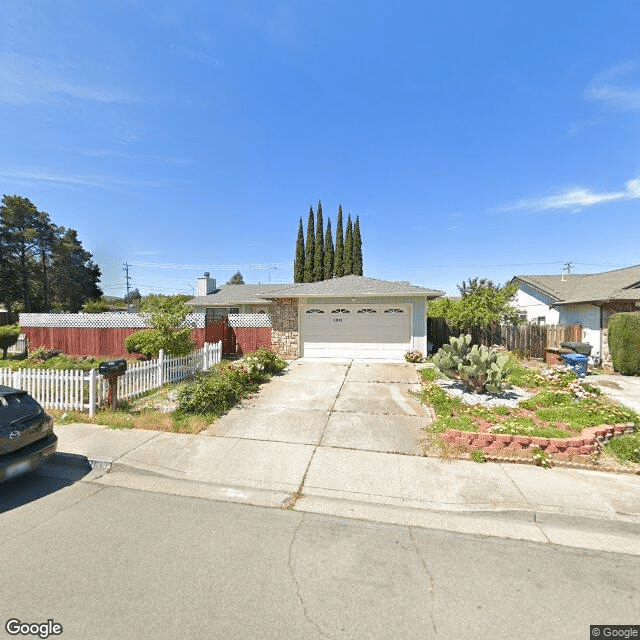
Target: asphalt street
<point x="112" y="562"/>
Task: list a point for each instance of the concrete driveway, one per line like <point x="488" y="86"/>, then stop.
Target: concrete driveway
<point x="343" y="404"/>
<point x="623" y="389"/>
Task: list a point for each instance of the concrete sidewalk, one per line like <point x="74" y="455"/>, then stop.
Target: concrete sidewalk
<point x="622" y="389"/>
<point x="579" y="508"/>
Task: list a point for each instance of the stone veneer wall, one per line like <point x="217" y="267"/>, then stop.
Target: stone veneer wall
<point x="607" y="311"/>
<point x="285" y="337"/>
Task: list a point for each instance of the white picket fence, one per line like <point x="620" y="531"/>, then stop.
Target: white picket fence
<point x="78" y="390"/>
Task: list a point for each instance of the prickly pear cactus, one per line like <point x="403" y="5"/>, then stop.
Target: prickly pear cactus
<point x="479" y="368"/>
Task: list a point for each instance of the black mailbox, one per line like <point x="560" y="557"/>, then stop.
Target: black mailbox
<point x="113" y="367"/>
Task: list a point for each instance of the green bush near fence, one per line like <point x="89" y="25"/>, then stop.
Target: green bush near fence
<point x="9" y="334"/>
<point x="149" y="342"/>
<point x="624" y="342"/>
<point x="218" y="390"/>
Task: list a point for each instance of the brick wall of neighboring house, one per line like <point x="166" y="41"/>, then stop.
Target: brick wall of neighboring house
<point x="284" y="327"/>
<point x="608" y="310"/>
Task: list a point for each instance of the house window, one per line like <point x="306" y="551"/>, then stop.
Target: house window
<point x="341" y="311"/>
<point x="542" y="319"/>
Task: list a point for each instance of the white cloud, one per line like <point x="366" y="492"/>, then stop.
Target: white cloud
<point x="576" y="198"/>
<point x="25" y="80"/>
<point x="616" y="88"/>
<point x="102" y="182"/>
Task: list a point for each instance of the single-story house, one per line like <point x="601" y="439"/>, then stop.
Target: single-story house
<point x="586" y="299"/>
<point x="347" y="317"/>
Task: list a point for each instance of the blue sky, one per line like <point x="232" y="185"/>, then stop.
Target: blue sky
<point x="487" y="139"/>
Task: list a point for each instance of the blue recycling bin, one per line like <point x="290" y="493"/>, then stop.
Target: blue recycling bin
<point x="577" y="362"/>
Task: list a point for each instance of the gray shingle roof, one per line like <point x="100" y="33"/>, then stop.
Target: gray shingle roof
<point x="352" y="286"/>
<point x="621" y="284"/>
<point x="231" y="294"/>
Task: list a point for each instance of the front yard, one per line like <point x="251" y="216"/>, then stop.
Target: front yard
<point x="190" y="406"/>
<point x="563" y="419"/>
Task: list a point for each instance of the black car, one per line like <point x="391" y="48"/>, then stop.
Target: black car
<point x="26" y="433"/>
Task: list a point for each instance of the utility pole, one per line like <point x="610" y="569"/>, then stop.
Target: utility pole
<point x="128" y="283"/>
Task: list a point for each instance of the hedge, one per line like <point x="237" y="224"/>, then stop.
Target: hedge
<point x="624" y="342"/>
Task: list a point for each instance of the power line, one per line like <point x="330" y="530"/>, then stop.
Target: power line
<point x="221" y="267"/>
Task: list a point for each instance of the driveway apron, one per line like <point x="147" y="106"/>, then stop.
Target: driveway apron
<point x="342" y="404"/>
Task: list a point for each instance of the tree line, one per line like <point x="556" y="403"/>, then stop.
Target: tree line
<point x="42" y="266"/>
<point x="318" y="258"/>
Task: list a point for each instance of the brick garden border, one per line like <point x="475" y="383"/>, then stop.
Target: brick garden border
<point x="585" y="444"/>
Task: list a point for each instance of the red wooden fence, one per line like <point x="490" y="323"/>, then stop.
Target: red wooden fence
<point x="84" y="341"/>
<point x="238" y="340"/>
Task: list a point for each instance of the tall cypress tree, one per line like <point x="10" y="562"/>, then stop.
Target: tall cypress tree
<point x="310" y="249"/>
<point x="318" y="260"/>
<point x="357" y="248"/>
<point x="298" y="264"/>
<point x="328" y="252"/>
<point x="348" y="248"/>
<point x="338" y="268"/>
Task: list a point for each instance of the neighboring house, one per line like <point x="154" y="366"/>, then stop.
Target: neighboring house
<point x="348" y="317"/>
<point x="586" y="299"/>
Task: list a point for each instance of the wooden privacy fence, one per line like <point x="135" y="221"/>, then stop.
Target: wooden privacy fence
<point x="529" y="339"/>
<point x="77" y="390"/>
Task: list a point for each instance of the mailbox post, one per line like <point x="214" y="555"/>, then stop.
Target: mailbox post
<point x="111" y="370"/>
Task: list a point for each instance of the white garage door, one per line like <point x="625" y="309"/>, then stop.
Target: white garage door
<point x="373" y="332"/>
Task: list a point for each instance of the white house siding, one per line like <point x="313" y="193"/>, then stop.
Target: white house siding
<point x="535" y="305"/>
<point x="418" y="339"/>
<point x="588" y="315"/>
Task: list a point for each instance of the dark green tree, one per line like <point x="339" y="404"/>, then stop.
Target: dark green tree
<point x="474" y="284"/>
<point x="328" y="252"/>
<point x="236" y="278"/>
<point x="19" y="218"/>
<point x="310" y="249"/>
<point x="318" y="260"/>
<point x="42" y="265"/>
<point x="133" y="297"/>
<point x="348" y="248"/>
<point x="75" y="276"/>
<point x="298" y="263"/>
<point x="338" y="266"/>
<point x="357" y="248"/>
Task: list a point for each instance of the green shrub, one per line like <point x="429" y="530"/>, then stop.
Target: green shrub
<point x="216" y="391"/>
<point x="624" y="342"/>
<point x="271" y="362"/>
<point x="478" y="455"/>
<point x="9" y="334"/>
<point x="149" y="342"/>
<point x="479" y="368"/>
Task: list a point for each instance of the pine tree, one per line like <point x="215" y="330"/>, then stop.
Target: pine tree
<point x="298" y="264"/>
<point x="357" y="248"/>
<point x="348" y="248"/>
<point x="310" y="249"/>
<point x="318" y="260"/>
<point x="338" y="268"/>
<point x="328" y="252"/>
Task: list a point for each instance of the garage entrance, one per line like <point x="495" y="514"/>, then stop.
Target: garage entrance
<point x="363" y="332"/>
